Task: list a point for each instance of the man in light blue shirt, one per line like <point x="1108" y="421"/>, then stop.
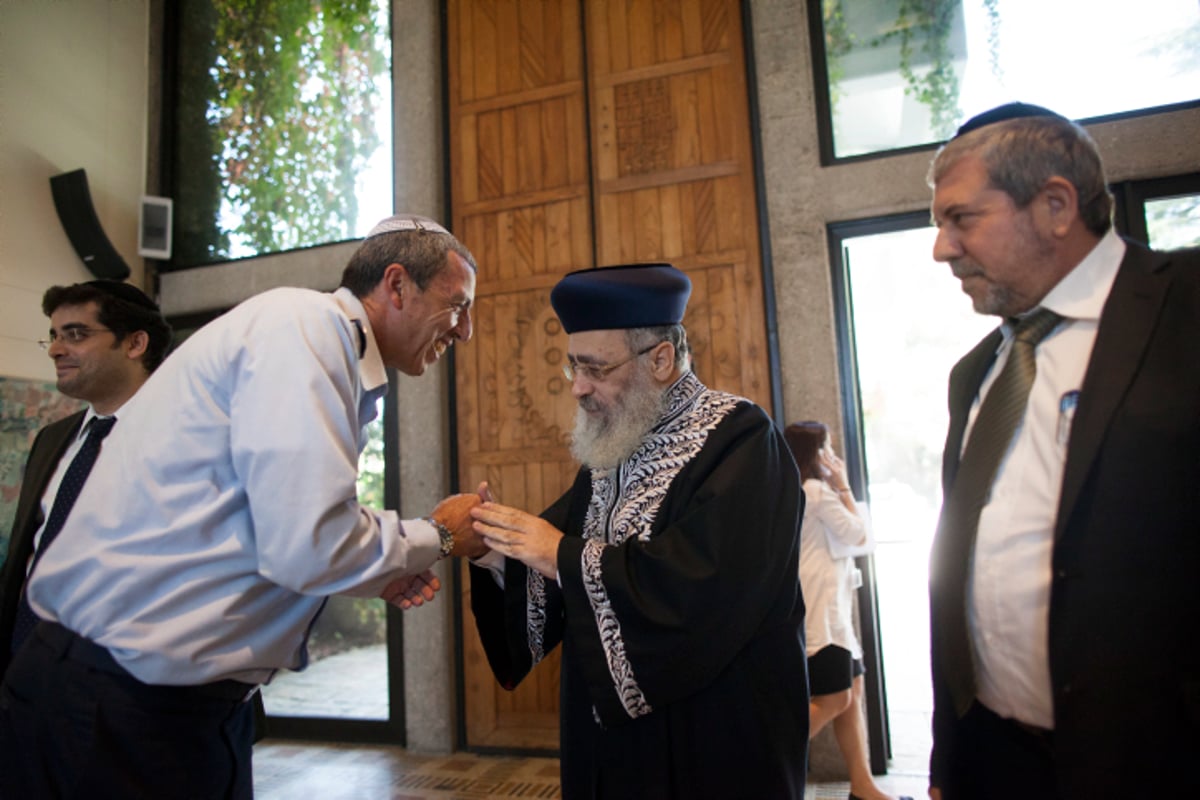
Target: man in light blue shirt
<point x="217" y="521"/>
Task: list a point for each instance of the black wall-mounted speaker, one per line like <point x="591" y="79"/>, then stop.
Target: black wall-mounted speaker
<point x="73" y="201"/>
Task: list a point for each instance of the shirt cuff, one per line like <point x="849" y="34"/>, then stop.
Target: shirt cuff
<point x="494" y="563"/>
<point x="423" y="541"/>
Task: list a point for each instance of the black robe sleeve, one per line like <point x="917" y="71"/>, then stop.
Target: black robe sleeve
<point x="516" y="634"/>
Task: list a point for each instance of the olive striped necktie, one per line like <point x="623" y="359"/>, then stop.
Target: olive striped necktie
<point x="997" y="420"/>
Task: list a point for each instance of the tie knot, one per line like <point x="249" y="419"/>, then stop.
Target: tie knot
<point x="99" y="427"/>
<point x="1034" y="327"/>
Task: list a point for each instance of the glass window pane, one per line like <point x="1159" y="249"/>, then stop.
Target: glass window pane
<point x="911" y="324"/>
<point x="282" y="125"/>
<point x="905" y="73"/>
<point x="347" y="673"/>
<point x="1174" y="222"/>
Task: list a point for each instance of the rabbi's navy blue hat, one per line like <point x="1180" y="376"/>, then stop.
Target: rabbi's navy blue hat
<point x="1005" y="112"/>
<point x="629" y="296"/>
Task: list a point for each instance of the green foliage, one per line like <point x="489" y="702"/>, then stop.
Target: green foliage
<point x="346" y="623"/>
<point x="1173" y="223"/>
<point x="838" y="42"/>
<point x="370" y="467"/>
<point x="992" y="9"/>
<point x="287" y="122"/>
<point x="923" y="29"/>
<point x="349" y="622"/>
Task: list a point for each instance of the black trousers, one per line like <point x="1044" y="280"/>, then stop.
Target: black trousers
<point x="999" y="759"/>
<point x="74" y="724"/>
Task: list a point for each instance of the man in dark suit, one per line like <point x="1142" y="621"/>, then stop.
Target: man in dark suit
<point x="106" y="337"/>
<point x="1065" y="575"/>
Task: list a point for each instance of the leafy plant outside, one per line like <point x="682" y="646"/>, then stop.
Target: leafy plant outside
<point x="275" y="121"/>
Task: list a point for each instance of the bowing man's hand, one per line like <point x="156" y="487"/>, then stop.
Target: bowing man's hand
<point x="516" y="534"/>
<point x="409" y="591"/>
<point x="455" y="513"/>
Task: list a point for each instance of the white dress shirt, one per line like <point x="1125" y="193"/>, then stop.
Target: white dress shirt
<point x="1009" y="591"/>
<point x="223" y="509"/>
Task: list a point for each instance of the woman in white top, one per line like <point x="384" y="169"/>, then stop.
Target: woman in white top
<point x="835" y="665"/>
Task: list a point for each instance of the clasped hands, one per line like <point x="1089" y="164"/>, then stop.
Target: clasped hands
<point x="480" y="525"/>
<point x="516" y="534"/>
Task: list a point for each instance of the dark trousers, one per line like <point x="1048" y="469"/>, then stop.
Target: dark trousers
<point x="75" y="724"/>
<point x="1000" y="759"/>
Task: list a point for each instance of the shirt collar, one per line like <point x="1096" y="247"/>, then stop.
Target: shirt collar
<point x="1082" y="292"/>
<point x="374" y="374"/>
<point x="90" y="414"/>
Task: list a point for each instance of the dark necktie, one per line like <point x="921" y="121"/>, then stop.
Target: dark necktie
<point x="68" y="492"/>
<point x="997" y="420"/>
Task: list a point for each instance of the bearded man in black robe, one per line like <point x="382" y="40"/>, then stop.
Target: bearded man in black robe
<point x="667" y="571"/>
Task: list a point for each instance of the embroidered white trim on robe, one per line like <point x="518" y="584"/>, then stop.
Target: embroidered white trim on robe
<point x="626" y="500"/>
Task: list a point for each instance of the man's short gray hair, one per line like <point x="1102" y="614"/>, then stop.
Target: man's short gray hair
<point x="423" y="249"/>
<point x="640" y="338"/>
<point x="1020" y="155"/>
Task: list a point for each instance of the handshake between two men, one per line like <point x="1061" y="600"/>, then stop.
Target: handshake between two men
<point x="480" y="526"/>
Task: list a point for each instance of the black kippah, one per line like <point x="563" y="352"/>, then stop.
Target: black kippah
<point x="125" y="291"/>
<point x="1005" y="112"/>
<point x="621" y="297"/>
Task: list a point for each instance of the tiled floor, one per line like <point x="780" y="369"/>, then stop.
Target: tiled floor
<point x="288" y="770"/>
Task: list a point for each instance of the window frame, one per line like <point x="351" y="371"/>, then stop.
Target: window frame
<point x="824" y="103"/>
<point x="1131" y="197"/>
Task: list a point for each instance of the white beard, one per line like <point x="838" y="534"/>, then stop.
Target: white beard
<point x="604" y="440"/>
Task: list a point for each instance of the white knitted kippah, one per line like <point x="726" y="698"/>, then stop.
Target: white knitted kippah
<point x="406" y="222"/>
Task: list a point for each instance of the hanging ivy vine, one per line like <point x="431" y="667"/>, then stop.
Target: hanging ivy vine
<point x="923" y="30"/>
<point x="838" y="42"/>
<point x="992" y="9"/>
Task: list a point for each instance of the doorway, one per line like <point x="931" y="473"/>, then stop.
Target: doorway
<point x="352" y="689"/>
<point x="902" y="323"/>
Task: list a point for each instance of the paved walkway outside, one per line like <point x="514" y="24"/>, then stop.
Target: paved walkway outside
<point x="353" y="684"/>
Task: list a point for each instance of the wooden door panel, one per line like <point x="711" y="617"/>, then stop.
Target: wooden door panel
<point x="674" y="172"/>
<point x="698" y="227"/>
<point x="641" y="154"/>
<point x="517" y="151"/>
<point x="666" y="122"/>
<point x="530" y="246"/>
<point x="628" y="35"/>
<point x="500" y="47"/>
<point x="520" y="201"/>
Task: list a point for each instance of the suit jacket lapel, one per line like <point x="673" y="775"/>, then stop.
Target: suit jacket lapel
<point x="1126" y="325"/>
<point x="43" y="460"/>
<point x="48" y="449"/>
<point x="965" y="380"/>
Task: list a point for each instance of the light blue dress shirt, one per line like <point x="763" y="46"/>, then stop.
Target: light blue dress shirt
<point x="223" y="509"/>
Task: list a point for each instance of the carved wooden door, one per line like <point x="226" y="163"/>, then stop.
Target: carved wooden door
<point x="642" y="155"/>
